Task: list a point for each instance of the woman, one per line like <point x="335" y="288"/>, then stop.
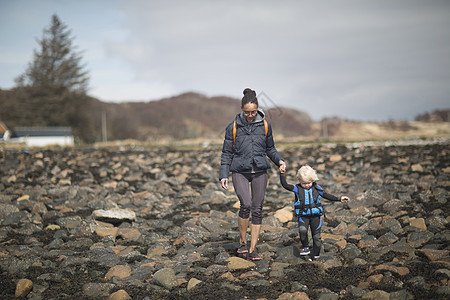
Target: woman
<point x="248" y="142"/>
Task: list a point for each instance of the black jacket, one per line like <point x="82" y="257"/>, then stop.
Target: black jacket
<point x="251" y="147"/>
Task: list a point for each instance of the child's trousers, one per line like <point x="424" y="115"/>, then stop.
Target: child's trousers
<point x="315" y="222"/>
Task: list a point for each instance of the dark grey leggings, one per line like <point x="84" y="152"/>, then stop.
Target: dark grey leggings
<point x="253" y="202"/>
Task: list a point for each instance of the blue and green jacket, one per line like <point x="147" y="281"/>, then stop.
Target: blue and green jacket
<point x="307" y="202"/>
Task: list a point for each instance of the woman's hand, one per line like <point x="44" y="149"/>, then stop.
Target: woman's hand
<point x="224" y="183"/>
<point x="282" y="166"/>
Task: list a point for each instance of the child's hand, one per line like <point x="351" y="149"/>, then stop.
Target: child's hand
<point x="344" y="198"/>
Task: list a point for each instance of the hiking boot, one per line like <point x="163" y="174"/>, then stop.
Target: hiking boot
<point x="254" y="256"/>
<point x="305" y="251"/>
<point x="242" y="248"/>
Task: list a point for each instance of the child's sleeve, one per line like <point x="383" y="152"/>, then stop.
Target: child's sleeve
<point x="326" y="195"/>
<point x="287" y="186"/>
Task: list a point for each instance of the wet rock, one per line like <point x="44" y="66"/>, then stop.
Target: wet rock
<point x="119" y="295"/>
<point x="258" y="283"/>
<point x="216" y="269"/>
<point x="401" y="295"/>
<point x="418" y="239"/>
<point x="290" y="254"/>
<point x="434" y="255"/>
<point x="120" y="271"/>
<point x="278" y="269"/>
<point x="192" y="283"/>
<point x="129" y="234"/>
<point x="368" y="199"/>
<point x="166" y="278"/>
<point x="7" y="209"/>
<point x="376" y="295"/>
<point x="294" y="296"/>
<point x="23" y="287"/>
<point x="351" y="252"/>
<point x="97" y="290"/>
<point x="418" y="224"/>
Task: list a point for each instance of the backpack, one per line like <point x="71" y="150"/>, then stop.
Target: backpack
<point x="266" y="128"/>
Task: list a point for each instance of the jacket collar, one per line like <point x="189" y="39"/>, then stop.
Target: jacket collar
<point x="241" y="120"/>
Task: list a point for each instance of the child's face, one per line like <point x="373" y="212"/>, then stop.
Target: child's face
<point x="306" y="184"/>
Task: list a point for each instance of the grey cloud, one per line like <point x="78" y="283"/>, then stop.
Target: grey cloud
<point x="358" y="60"/>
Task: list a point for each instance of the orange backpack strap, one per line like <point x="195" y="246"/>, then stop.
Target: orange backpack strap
<point x="266" y="129"/>
<point x="234" y="133"/>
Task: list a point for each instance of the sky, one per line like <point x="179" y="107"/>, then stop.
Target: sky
<point x="355" y="59"/>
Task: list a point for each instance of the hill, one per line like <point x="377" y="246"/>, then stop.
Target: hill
<point x="190" y="116"/>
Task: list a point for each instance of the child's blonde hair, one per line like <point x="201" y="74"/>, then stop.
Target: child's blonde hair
<point x="306" y="173"/>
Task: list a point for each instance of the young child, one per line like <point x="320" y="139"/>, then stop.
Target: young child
<point x="308" y="207"/>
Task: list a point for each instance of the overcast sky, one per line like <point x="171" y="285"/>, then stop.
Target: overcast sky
<point x="360" y="60"/>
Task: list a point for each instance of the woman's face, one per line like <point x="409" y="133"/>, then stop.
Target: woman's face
<point x="250" y="110"/>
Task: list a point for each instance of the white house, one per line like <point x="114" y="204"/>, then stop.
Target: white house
<point x="42" y="136"/>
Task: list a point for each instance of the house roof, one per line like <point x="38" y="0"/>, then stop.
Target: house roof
<point x="3" y="128"/>
<point x="41" y="131"/>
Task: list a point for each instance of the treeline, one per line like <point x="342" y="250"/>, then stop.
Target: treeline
<point x="438" y="115"/>
<point x="189" y="115"/>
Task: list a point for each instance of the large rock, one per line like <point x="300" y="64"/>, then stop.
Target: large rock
<point x="237" y="263"/>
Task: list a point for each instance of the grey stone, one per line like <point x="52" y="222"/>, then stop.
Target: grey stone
<point x="401" y="295"/>
<point x="97" y="290"/>
<point x="297" y="286"/>
<point x="7" y="209"/>
<point x="15" y="218"/>
<point x="350" y="252"/>
<point x="166" y="278"/>
<point x="258" y="283"/>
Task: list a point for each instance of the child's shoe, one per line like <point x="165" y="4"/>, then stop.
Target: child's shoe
<point x="316" y="257"/>
<point x="305" y="251"/>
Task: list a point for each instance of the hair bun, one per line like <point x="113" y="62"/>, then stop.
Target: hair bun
<point x="248" y="90"/>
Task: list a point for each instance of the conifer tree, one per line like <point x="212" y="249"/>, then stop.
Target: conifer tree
<point x="56" y="67"/>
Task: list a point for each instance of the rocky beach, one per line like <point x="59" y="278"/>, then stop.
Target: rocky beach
<point x="139" y="223"/>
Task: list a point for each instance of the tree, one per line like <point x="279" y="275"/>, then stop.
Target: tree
<point x="57" y="66"/>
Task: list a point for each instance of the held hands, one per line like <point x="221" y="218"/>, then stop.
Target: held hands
<point x="344" y="198"/>
<point x="282" y="167"/>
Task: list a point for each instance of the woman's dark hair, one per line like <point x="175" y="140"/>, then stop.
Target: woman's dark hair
<point x="249" y="97"/>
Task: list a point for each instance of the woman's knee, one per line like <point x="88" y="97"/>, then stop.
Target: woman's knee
<point x="256" y="215"/>
<point x="244" y="212"/>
